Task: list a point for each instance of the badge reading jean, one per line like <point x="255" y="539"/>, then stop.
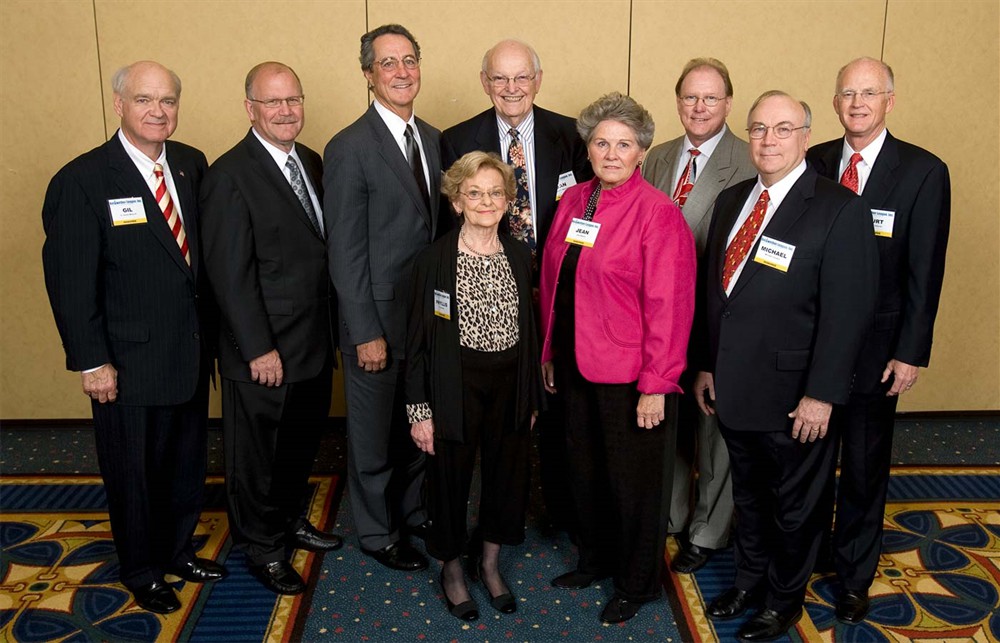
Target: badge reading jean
<point x="774" y="254"/>
<point x="583" y="233"/>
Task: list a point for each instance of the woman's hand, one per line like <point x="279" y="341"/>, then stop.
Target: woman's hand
<point x="649" y="412"/>
<point x="423" y="435"/>
<point x="549" y="376"/>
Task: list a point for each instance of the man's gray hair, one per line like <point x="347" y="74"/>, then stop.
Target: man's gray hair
<point x="890" y="79"/>
<point x="368" y="43"/>
<point x="535" y="62"/>
<point x="771" y="93"/>
<point x="119" y="81"/>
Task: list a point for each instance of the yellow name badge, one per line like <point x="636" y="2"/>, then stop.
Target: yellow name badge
<point x="565" y="182"/>
<point x="774" y="254"/>
<point x="128" y="211"/>
<point x="583" y="233"/>
<point x="442" y="304"/>
<point x="883" y="220"/>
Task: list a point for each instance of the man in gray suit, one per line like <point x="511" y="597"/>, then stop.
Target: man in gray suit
<point x="381" y="176"/>
<point x="693" y="169"/>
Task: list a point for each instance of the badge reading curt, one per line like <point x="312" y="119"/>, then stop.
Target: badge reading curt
<point x="127" y="211"/>
<point x="883" y="220"/>
<point x="774" y="254"/>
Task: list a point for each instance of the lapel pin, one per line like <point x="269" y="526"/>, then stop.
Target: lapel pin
<point x="181" y="172"/>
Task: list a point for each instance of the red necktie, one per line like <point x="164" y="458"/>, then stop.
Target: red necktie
<point x="686" y="183"/>
<point x="743" y="240"/>
<point x="170" y="213"/>
<point x="850" y="178"/>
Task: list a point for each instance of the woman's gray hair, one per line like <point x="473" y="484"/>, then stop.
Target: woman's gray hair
<point x="620" y="108"/>
<point x="469" y="165"/>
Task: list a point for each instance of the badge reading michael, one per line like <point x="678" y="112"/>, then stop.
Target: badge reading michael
<point x="127" y="211"/>
<point x="774" y="254"/>
<point x="883" y="220"/>
<point x="565" y="182"/>
<point x="442" y="304"/>
<point x="583" y="233"/>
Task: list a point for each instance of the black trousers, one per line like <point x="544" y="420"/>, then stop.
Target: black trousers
<point x="621" y="480"/>
<point x="489" y="386"/>
<point x="153" y="461"/>
<point x="271" y="435"/>
<point x="779" y="491"/>
<point x="865" y="426"/>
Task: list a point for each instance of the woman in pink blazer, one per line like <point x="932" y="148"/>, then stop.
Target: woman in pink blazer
<point x="617" y="301"/>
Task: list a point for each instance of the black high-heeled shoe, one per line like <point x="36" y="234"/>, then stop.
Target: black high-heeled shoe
<point x="466" y="610"/>
<point x="505" y="602"/>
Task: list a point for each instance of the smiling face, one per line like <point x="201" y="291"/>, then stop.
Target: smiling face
<point x="614" y="153"/>
<point x="487" y="211"/>
<point x="279" y="125"/>
<point x="513" y="101"/>
<point x="775" y="157"/>
<point x="396" y="89"/>
<point x="700" y="121"/>
<point x="863" y="120"/>
<point x="148" y="107"/>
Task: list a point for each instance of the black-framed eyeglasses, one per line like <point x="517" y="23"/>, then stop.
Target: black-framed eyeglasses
<point x="479" y="195"/>
<point x="521" y="80"/>
<point x="758" y="131"/>
<point x="271" y="103"/>
<point x="391" y="63"/>
<point x="691" y="101"/>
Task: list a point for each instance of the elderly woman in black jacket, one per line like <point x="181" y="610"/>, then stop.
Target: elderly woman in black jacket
<point x="473" y="376"/>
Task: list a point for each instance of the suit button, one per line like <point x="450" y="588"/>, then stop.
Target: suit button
<point x="196" y="335"/>
<point x="726" y="315"/>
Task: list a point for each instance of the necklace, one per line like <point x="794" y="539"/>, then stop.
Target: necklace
<point x="487" y="257"/>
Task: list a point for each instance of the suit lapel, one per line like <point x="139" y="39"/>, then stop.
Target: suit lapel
<point x="547" y="166"/>
<point x="717" y="170"/>
<point x="488" y="134"/>
<point x="263" y="163"/>
<point x="882" y="179"/>
<point x="830" y="161"/>
<point x="389" y="150"/>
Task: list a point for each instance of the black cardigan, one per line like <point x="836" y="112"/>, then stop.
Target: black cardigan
<point x="433" y="355"/>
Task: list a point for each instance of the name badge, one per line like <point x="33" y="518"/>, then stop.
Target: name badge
<point x="583" y="233"/>
<point x="566" y="181"/>
<point x="883" y="220"/>
<point x="774" y="254"/>
<point x="127" y="211"/>
<point x="442" y="304"/>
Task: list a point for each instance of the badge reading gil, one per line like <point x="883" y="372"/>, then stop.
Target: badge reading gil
<point x="127" y="211"/>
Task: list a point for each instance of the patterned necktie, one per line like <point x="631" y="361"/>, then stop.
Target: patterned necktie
<point x="520" y="209"/>
<point x="299" y="187"/>
<point x="413" y="158"/>
<point x="686" y="183"/>
<point x="744" y="239"/>
<point x="170" y="213"/>
<point x="850" y="178"/>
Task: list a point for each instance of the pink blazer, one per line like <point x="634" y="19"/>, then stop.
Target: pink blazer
<point x="634" y="287"/>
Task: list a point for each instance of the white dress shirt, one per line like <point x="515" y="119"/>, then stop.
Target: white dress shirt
<point x="145" y="166"/>
<point x="705" y="150"/>
<point x="868" y="157"/>
<point x="280" y="157"/>
<point x="397" y="127"/>
<point x="526" y="132"/>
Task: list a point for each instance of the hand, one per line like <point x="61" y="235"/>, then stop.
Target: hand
<point x="904" y="376"/>
<point x="649" y="411"/>
<point x="373" y="355"/>
<point x="704" y="382"/>
<point x="267" y="369"/>
<point x="423" y="435"/>
<point x="549" y="376"/>
<point x="534" y="418"/>
<point x="812" y="417"/>
<point x="101" y="385"/>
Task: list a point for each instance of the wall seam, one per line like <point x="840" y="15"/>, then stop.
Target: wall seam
<point x="628" y="64"/>
<point x="885" y="28"/>
<point x="100" y="77"/>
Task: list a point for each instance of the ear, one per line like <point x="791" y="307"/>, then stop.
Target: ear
<point x="538" y="81"/>
<point x="729" y="105"/>
<point x="485" y="80"/>
<point x="249" y="106"/>
<point x="457" y="205"/>
<point x="119" y="104"/>
<point x="891" y="102"/>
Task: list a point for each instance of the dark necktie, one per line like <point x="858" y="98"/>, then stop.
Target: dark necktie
<point x="413" y="158"/>
<point x="520" y="211"/>
<point x="299" y="187"/>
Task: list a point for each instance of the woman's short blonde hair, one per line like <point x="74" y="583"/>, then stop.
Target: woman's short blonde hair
<point x="468" y="166"/>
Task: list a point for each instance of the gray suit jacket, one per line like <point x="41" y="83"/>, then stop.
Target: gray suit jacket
<point x="728" y="165"/>
<point x="376" y="223"/>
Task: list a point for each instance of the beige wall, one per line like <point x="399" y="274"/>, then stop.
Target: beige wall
<point x="57" y="57"/>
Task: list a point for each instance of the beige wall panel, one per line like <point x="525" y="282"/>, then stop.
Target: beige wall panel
<point x="793" y="46"/>
<point x="583" y="47"/>
<point x="946" y="59"/>
<point x="51" y="101"/>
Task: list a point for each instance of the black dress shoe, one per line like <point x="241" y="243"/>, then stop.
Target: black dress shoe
<point x="852" y="607"/>
<point x="730" y="604"/>
<point x="505" y="602"/>
<point x="308" y="537"/>
<point x="691" y="558"/>
<point x="576" y="580"/>
<point x="768" y="625"/>
<point x="399" y="555"/>
<point x="199" y="570"/>
<point x="279" y="577"/>
<point x="466" y="610"/>
<point x="156" y="597"/>
<point x="421" y="531"/>
<point x="619" y="610"/>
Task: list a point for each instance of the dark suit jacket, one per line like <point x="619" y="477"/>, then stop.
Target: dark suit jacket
<point x="376" y="223"/>
<point x="782" y="335"/>
<point x="558" y="149"/>
<point x="914" y="184"/>
<point x="266" y="263"/>
<point x="124" y="294"/>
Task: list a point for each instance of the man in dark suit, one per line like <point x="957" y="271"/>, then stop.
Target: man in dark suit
<point x="548" y="156"/>
<point x="381" y="177"/>
<point x="909" y="193"/>
<point x="265" y="256"/>
<point x="693" y="169"/>
<point x="788" y="293"/>
<point x="123" y="274"/>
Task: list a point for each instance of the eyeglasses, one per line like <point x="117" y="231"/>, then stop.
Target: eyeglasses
<point x="521" y="80"/>
<point x="271" y="103"/>
<point x="781" y="130"/>
<point x="865" y="95"/>
<point x="478" y="195"/>
<point x="691" y="101"/>
<point x="391" y="64"/>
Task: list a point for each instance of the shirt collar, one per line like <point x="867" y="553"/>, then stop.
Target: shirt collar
<point x="869" y="153"/>
<point x="777" y="192"/>
<point x="279" y="155"/>
<point x="141" y="161"/>
<point x="396" y="125"/>
<point x="707" y="148"/>
<point x="525" y="129"/>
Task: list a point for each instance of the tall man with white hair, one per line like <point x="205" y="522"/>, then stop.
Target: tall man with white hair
<point x="909" y="192"/>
